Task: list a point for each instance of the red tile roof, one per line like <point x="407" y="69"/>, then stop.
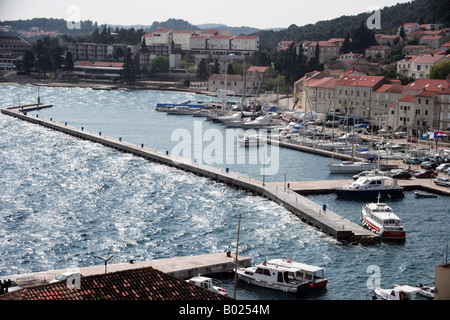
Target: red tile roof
<point x="134" y="284"/>
<point x="407" y="98"/>
<point x="257" y="69"/>
<point x="428" y="84"/>
<point x="362" y="81"/>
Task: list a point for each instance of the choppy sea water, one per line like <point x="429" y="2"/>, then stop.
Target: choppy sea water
<point x="64" y="201"/>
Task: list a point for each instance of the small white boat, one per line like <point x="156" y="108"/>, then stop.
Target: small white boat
<point x="426" y="291"/>
<point x="273" y="277"/>
<point x="182" y="110"/>
<point x="208" y="283"/>
<point x="249" y="140"/>
<point x="403" y="292"/>
<point x="380" y="219"/>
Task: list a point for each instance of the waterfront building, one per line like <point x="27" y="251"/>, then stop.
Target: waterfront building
<point x="383" y="99"/>
<point x="234" y="83"/>
<point x="354" y="94"/>
<point x="8" y="60"/>
<point x="98" y="71"/>
<point x="319" y="94"/>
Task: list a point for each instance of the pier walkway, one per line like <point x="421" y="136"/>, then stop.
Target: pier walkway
<point x="179" y="267"/>
<point x="309" y="212"/>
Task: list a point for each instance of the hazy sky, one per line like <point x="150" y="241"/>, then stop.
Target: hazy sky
<point x="259" y="14"/>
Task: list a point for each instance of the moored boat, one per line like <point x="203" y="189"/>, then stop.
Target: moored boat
<point x="426" y="291"/>
<point x="370" y="186"/>
<point x="208" y="283"/>
<point x="403" y="292"/>
<point x="380" y="219"/>
<point x="314" y="275"/>
<point x="424" y="194"/>
<point x="273" y="277"/>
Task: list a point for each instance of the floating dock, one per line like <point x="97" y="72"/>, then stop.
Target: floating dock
<point x="309" y="212"/>
<point x="179" y="267"/>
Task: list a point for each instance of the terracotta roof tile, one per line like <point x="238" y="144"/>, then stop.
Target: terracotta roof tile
<point x="135" y="284"/>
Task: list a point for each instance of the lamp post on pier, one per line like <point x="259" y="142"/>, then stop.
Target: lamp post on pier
<point x="105" y="260"/>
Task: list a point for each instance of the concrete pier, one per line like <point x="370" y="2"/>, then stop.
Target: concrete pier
<point x="309" y="212"/>
<point x="179" y="267"/>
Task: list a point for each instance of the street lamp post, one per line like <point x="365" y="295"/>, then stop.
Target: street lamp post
<point x="105" y="260"/>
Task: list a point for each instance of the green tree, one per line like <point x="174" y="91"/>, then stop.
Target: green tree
<point x="68" y="62"/>
<point x="346" y="44"/>
<point x="130" y="67"/>
<point x="202" y="70"/>
<point x="28" y="61"/>
<point x="158" y="65"/>
<point x="440" y="71"/>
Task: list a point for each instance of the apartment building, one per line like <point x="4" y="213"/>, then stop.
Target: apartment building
<point x="383" y="52"/>
<point x="15" y="45"/>
<point x="353" y="94"/>
<point x="424" y="106"/>
<point x="183" y="38"/>
<point x="96" y="51"/>
<point x="327" y="50"/>
<point x="419" y="66"/>
<point x="234" y="83"/>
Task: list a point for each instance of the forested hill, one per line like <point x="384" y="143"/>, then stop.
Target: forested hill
<point x="420" y="11"/>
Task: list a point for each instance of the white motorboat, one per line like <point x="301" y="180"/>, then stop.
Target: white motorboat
<point x="426" y="291"/>
<point x="182" y="110"/>
<point x="261" y="122"/>
<point x="249" y="140"/>
<point x="370" y="186"/>
<point x="273" y="277"/>
<point x="352" y="166"/>
<point x="403" y="292"/>
<point x="314" y="275"/>
<point x="234" y="117"/>
<point x="208" y="283"/>
<point x="380" y="219"/>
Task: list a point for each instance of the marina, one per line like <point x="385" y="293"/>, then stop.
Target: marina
<point x="269" y="229"/>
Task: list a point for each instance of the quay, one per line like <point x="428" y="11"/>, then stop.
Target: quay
<point x="309" y="212"/>
<point x="179" y="267"/>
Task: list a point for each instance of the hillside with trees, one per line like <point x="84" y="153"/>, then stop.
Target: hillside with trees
<point x="420" y="11"/>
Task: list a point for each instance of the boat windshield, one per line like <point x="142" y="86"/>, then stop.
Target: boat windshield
<point x="319" y="274"/>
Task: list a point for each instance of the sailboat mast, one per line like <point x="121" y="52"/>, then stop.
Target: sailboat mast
<point x="236" y="258"/>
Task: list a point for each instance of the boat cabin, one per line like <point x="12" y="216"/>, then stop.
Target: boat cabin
<point x="266" y="272"/>
<point x="305" y="272"/>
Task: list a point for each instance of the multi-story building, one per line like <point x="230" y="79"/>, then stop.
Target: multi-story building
<point x="96" y="51"/>
<point x="183" y="38"/>
<point x="98" y="71"/>
<point x="383" y="52"/>
<point x="245" y="43"/>
<point x="419" y="66"/>
<point x="353" y="94"/>
<point x="432" y="41"/>
<point x="424" y="106"/>
<point x="14" y="45"/>
<point x="327" y="50"/>
<point x="160" y="36"/>
<point x="319" y="94"/>
<point x="234" y="83"/>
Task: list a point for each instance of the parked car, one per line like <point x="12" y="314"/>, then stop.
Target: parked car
<point x="411" y="160"/>
<point x="428" y="165"/>
<point x="425" y="174"/>
<point x="442" y="167"/>
<point x="441" y="181"/>
<point x="412" y="139"/>
<point x="402" y="175"/>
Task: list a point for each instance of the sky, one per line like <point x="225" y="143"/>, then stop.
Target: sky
<point x="262" y="14"/>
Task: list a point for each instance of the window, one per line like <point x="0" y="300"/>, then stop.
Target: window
<point x="426" y="101"/>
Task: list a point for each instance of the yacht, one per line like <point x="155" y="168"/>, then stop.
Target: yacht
<point x="261" y="122"/>
<point x="275" y="277"/>
<point x="182" y="110"/>
<point x="370" y="186"/>
<point x="380" y="219"/>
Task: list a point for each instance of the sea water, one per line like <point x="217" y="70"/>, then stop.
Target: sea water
<point x="64" y="200"/>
